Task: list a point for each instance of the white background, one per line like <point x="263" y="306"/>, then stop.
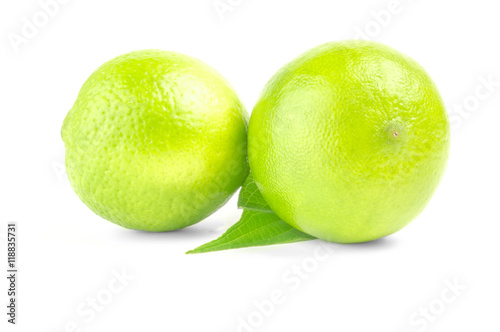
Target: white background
<point x="68" y="255"/>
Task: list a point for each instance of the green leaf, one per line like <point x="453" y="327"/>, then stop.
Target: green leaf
<point x="255" y="228"/>
<point x="250" y="197"/>
<point x="258" y="226"/>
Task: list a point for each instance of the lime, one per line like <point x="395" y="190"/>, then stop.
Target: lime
<point x="155" y="141"/>
<point x="349" y="141"/>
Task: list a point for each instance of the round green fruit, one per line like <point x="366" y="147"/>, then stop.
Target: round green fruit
<point x="155" y="141"/>
<point x="349" y="141"/>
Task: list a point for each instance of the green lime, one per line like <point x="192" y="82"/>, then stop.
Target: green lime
<point x="349" y="141"/>
<point x="155" y="141"/>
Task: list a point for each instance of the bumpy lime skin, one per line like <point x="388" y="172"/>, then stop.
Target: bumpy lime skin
<point x="349" y="141"/>
<point x="156" y="141"/>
